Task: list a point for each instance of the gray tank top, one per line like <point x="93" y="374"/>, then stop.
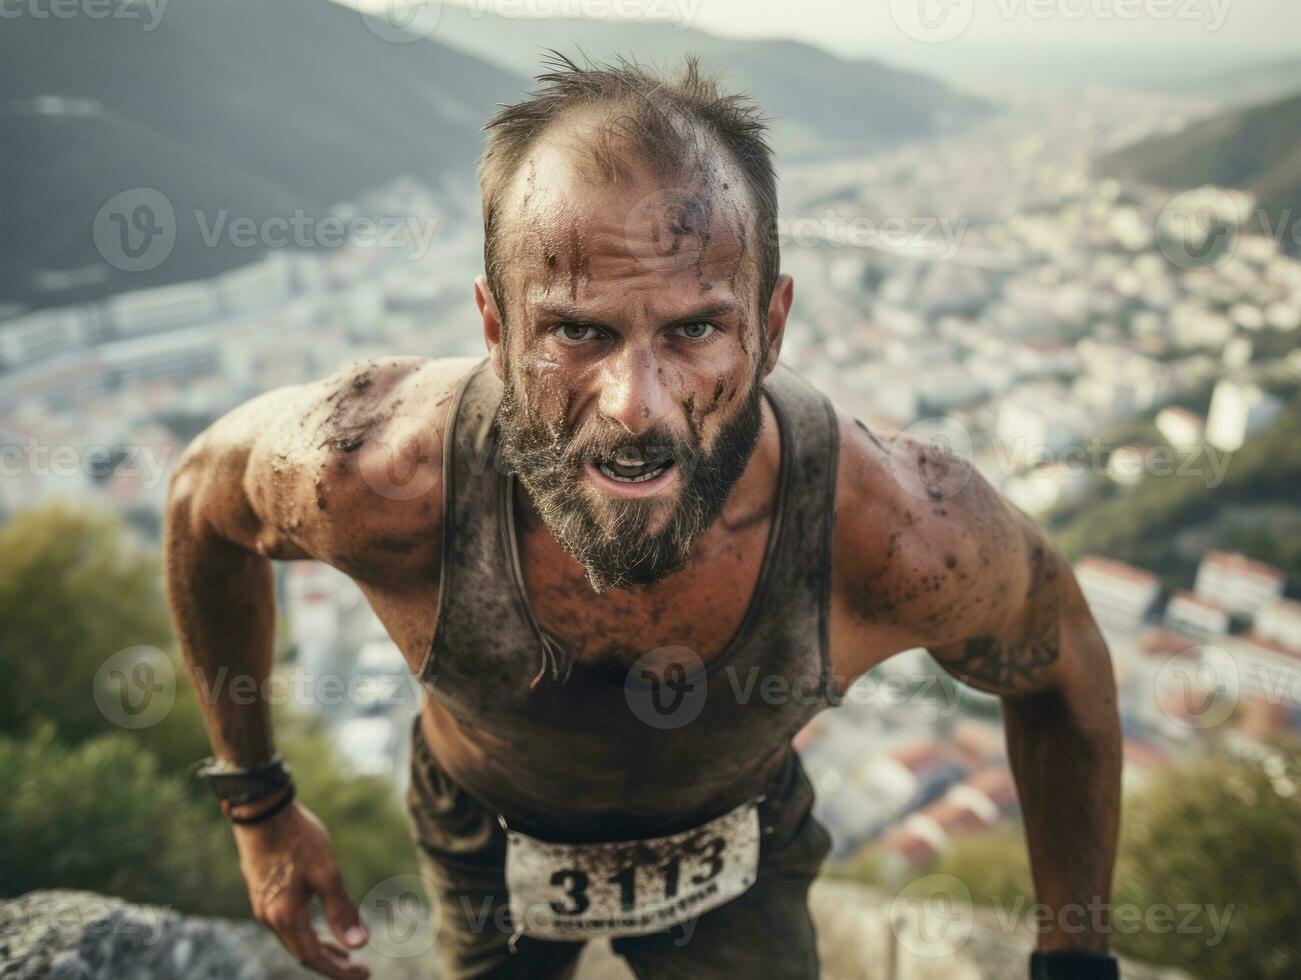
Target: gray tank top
<point x="553" y="734"/>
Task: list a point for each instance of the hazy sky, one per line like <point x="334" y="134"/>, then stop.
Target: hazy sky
<point x="978" y="38"/>
<point x="864" y="25"/>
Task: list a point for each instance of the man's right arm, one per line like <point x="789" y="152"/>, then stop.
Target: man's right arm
<point x="219" y="587"/>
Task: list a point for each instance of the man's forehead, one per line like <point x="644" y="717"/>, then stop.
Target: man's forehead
<point x="565" y="222"/>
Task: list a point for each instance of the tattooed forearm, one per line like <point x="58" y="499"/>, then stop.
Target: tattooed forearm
<point x="1009" y="666"/>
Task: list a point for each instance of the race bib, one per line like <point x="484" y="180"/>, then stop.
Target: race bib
<point x="630" y="888"/>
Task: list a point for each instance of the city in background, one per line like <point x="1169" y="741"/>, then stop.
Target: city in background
<point x="1088" y="286"/>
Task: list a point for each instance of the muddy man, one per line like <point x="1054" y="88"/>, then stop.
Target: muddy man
<point x="629" y="555"/>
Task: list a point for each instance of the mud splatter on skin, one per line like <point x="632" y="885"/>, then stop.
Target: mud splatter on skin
<point x="931" y="469"/>
<point x="1043" y="570"/>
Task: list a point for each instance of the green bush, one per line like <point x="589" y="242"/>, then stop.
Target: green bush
<point x="87" y="804"/>
<point x="1216" y="842"/>
<point x="101" y="816"/>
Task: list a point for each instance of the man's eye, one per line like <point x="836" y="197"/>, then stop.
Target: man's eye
<point x="695" y="331"/>
<point x="577" y="331"/>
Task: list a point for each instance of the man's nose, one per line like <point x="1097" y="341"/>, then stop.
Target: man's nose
<point x="633" y="392"/>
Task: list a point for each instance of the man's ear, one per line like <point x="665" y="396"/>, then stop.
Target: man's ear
<point x="492" y="330"/>
<point x="779" y="308"/>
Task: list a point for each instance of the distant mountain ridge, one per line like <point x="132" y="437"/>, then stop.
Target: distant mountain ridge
<point x="818" y="102"/>
<point x="271" y="108"/>
<point x="1257" y="149"/>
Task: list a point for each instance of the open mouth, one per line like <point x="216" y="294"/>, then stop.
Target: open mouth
<point x="631" y="466"/>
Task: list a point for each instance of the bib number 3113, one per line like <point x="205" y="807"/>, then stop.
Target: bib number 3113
<point x="630" y="888"/>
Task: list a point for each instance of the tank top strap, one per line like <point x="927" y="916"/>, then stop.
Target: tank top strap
<point x="474" y="597"/>
<point x="796" y="593"/>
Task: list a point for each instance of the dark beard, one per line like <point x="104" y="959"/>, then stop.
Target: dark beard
<point x="611" y="537"/>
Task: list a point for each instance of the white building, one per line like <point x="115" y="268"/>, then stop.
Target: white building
<point x="1118" y="594"/>
<point x="1281" y="623"/>
<point x="1237" y="410"/>
<point x="1194" y="614"/>
<point x="1181" y="428"/>
<point x="185" y="304"/>
<point x="25" y="339"/>
<point x="1237" y="583"/>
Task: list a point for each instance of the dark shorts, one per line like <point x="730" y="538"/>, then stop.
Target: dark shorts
<point x="765" y="932"/>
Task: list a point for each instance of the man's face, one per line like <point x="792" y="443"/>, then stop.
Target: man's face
<point x="632" y="358"/>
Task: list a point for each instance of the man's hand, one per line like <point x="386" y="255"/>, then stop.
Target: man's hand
<point x="286" y="860"/>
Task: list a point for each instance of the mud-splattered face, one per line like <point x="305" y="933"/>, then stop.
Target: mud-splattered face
<point x="632" y="357"/>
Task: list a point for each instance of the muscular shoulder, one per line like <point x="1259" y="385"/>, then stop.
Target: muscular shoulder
<point x="346" y="470"/>
<point x="925" y="547"/>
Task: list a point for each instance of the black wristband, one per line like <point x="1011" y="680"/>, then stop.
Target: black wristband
<point x="1073" y="964"/>
<point x="237" y="786"/>
<point x="266" y="814"/>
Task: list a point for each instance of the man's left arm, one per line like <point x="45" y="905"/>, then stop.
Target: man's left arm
<point x="1032" y="641"/>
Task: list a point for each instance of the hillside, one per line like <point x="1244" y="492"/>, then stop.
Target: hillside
<point x="68" y="934"/>
<point x="1166" y="523"/>
<point x="819" y="103"/>
<point x="259" y="108"/>
<point x="1260" y="81"/>
<point x="1257" y="149"/>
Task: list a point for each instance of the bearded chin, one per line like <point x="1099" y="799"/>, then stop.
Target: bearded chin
<point x="625" y="543"/>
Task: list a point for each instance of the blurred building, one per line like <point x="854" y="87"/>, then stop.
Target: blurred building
<point x="1237" y="583"/>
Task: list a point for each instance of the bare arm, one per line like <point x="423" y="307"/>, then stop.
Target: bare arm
<point x="219" y="588"/>
<point x="936" y="558"/>
<point x="1043" y="655"/>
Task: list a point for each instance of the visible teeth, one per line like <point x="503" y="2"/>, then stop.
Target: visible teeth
<point x="641" y="478"/>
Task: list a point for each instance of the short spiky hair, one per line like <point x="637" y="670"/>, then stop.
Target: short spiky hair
<point x="660" y="118"/>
